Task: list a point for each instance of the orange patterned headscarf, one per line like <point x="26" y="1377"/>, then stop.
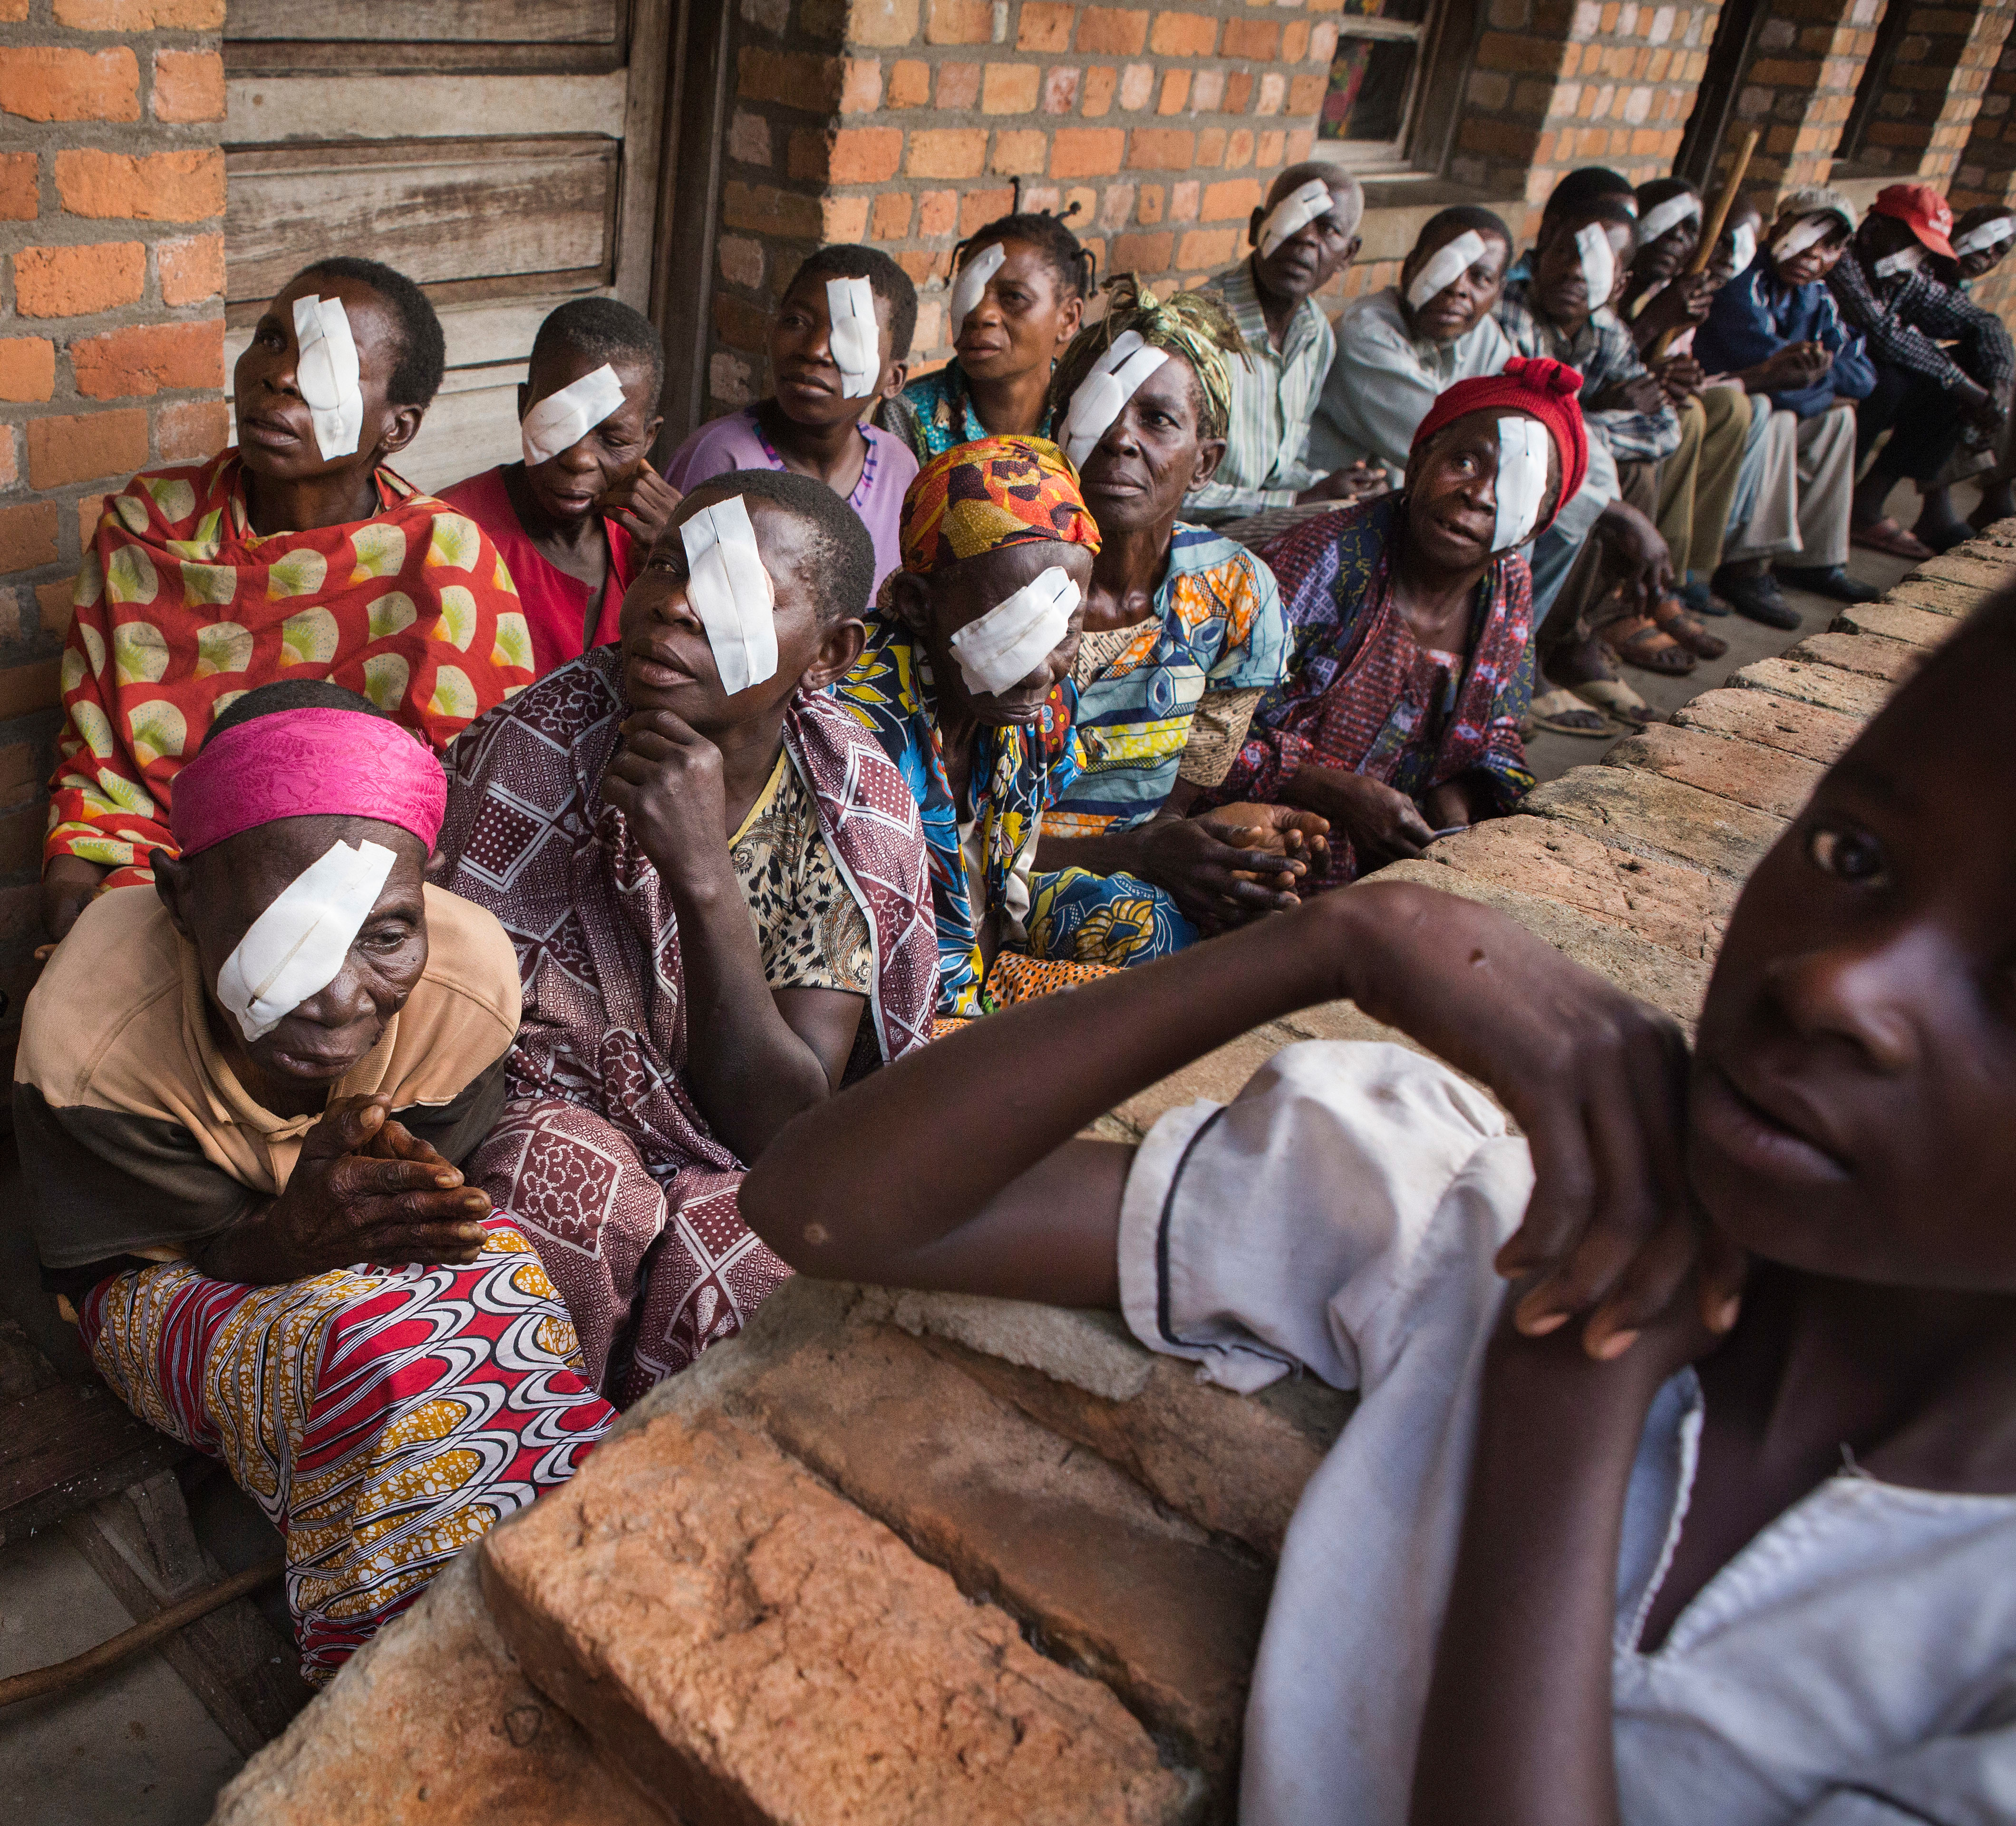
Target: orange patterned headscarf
<point x="999" y="492"/>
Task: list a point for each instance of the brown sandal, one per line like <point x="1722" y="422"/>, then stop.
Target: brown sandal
<point x="1680" y="621"/>
<point x="1640" y="641"/>
<point x="1886" y="535"/>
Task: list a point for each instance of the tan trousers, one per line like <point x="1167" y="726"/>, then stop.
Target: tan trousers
<point x="1698" y="482"/>
<point x="1802" y="503"/>
<point x="1584" y="603"/>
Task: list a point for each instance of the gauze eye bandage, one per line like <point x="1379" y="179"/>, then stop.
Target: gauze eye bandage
<point x="562" y="419"/>
<point x="1664" y="218"/>
<point x="1989" y="234"/>
<point x="325" y="371"/>
<point x="1103" y="393"/>
<point x="1007" y="643"/>
<point x="1447" y="264"/>
<point x="296" y="948"/>
<point x="1905" y="260"/>
<point x="732" y="593"/>
<point x="854" y="340"/>
<point x="971" y="284"/>
<point x="1522" y="480"/>
<point x="1801" y="235"/>
<point x="1599" y="263"/>
<point x="1742" y="245"/>
<point x="1294" y="213"/>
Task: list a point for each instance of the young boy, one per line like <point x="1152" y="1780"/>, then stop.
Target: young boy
<point x="812" y="422"/>
<point x="574" y="519"/>
<point x="1702" y="1560"/>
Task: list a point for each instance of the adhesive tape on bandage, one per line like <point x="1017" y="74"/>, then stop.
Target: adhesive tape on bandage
<point x="1522" y="480"/>
<point x="296" y="948"/>
<point x="1742" y="245"/>
<point x="1800" y="236"/>
<point x="1905" y="260"/>
<point x="1007" y="643"/>
<point x="732" y="593"/>
<point x="854" y="340"/>
<point x="1103" y="393"/>
<point x="1988" y="234"/>
<point x="325" y="370"/>
<point x="1663" y="218"/>
<point x="1294" y="213"/>
<point x="971" y="285"/>
<point x="1445" y="266"/>
<point x="562" y="419"/>
<point x="1599" y="263"/>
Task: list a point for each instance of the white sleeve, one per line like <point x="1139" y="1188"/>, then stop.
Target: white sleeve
<point x="1966" y="1779"/>
<point x="1310" y="1222"/>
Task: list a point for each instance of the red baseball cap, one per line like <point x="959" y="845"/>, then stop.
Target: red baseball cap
<point x="1923" y="209"/>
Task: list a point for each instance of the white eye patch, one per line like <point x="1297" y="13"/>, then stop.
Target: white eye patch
<point x="1102" y="394"/>
<point x="1522" y="480"/>
<point x="1905" y="260"/>
<point x="1005" y="645"/>
<point x="971" y="284"/>
<point x="1294" y="213"/>
<point x="326" y="373"/>
<point x="1447" y="264"/>
<point x="296" y="948"/>
<point x="855" y="342"/>
<point x="732" y="593"/>
<point x="1742" y="245"/>
<point x="1599" y="263"/>
<point x="562" y="419"/>
<point x="1662" y="218"/>
<point x="1801" y="235"/>
<point x="1989" y="234"/>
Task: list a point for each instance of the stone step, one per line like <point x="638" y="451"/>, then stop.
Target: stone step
<point x="1763" y="717"/>
<point x="1746" y="773"/>
<point x="1856" y="647"/>
<point x="1653" y="816"/>
<point x="1897" y="621"/>
<point x="1826" y="686"/>
<point x="1935" y="595"/>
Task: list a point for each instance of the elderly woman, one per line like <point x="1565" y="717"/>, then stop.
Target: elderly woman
<point x="1183" y="632"/>
<point x="1413" y="616"/>
<point x="297" y="552"/>
<point x="241" y="1102"/>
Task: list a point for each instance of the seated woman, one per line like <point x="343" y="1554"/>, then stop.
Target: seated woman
<point x="1018" y="294"/>
<point x="1702" y="1559"/>
<point x="1413" y="618"/>
<point x="1183" y="632"/>
<point x="242" y="1101"/>
<point x="296" y="554"/>
<point x="716" y="884"/>
<point x="575" y="519"/>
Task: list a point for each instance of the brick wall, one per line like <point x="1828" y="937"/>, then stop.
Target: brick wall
<point x="1800" y="88"/>
<point x="111" y="337"/>
<point x="1924" y="118"/>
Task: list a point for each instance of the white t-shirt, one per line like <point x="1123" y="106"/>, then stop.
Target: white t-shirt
<point x="1854" y="1665"/>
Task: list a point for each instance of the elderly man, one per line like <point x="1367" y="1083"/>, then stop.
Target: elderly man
<point x="241" y="1099"/>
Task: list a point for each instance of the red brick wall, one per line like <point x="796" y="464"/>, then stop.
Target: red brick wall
<point x="1800" y="86"/>
<point x="111" y="336"/>
<point x="1927" y="110"/>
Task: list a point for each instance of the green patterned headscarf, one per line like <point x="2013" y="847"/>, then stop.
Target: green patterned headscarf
<point x="1188" y="324"/>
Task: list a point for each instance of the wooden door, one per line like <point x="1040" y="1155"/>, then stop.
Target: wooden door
<point x="505" y="153"/>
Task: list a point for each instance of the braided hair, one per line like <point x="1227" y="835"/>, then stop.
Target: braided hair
<point x="1076" y="266"/>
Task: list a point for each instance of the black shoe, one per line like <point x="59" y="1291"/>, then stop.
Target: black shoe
<point x="1831" y="580"/>
<point x="1756" y="597"/>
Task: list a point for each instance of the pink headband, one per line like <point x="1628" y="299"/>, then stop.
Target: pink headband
<point x="303" y="763"/>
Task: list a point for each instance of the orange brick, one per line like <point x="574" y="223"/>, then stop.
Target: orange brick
<point x="841" y="218"/>
<point x="1184" y="34"/>
<point x="1273" y="148"/>
<point x="764" y="210"/>
<point x="1233" y="200"/>
<point x="53" y="606"/>
<point x="1019" y="152"/>
<point x="1059" y="91"/>
<point x="882" y="22"/>
<point x="27" y="536"/>
<point x="977" y="208"/>
<point x="28" y="368"/>
<point x="958" y="22"/>
<point x="959" y="86"/>
<point x="1208" y="247"/>
<point x="65" y="450"/>
<point x="1154" y="203"/>
<point x="10" y="460"/>
<point x="1239" y="150"/>
<point x="1086" y="152"/>
<point x="1295" y="42"/>
<point x="90" y="511"/>
<point x="861" y="85"/>
<point x="1175" y="92"/>
<point x="1238" y="91"/>
<point x="18" y="178"/>
<point x="138" y="362"/>
<point x="161" y="187"/>
<point x="1045" y="26"/>
<point x="140" y="16"/>
<point x="1010" y="88"/>
<point x="1210" y="148"/>
<point x="797" y="79"/>
<point x="1259" y="39"/>
<point x="191" y="271"/>
<point x="188" y="85"/>
<point x="1137" y="87"/>
<point x="938" y="212"/>
<point x="910" y="84"/>
<point x="1305" y="93"/>
<point x="43" y="82"/>
<point x="1099" y="83"/>
<point x="890" y="219"/>
<point x="1161" y="149"/>
<point x="866" y="155"/>
<point x="73" y="282"/>
<point x="947" y="152"/>
<point x="1117" y="31"/>
<point x="1142" y="253"/>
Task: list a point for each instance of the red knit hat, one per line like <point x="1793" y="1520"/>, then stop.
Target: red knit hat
<point x="1534" y="384"/>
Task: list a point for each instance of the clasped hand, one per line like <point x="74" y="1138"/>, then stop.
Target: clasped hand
<point x="666" y="780"/>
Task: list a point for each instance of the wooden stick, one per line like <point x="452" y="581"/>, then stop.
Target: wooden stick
<point x="36" y="1682"/>
<point x="1725" y="201"/>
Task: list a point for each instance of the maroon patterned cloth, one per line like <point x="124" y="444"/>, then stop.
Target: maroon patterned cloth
<point x="602" y="1153"/>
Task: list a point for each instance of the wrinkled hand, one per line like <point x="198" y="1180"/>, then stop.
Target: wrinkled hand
<point x="1679" y="305"/>
<point x="1359" y="482"/>
<point x="1643" y="555"/>
<point x="1681" y="377"/>
<point x="1197" y="861"/>
<point x="1278" y="830"/>
<point x="365" y="1191"/>
<point x="666" y="781"/>
<point x="641" y="502"/>
<point x="68" y="884"/>
<point x="1636" y="393"/>
<point x="1383" y="823"/>
<point x="1798" y="365"/>
<point x="1446" y="806"/>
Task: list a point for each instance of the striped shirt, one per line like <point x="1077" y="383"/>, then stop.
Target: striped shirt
<point x="1273" y="395"/>
<point x="1902" y="318"/>
<point x="1604" y="352"/>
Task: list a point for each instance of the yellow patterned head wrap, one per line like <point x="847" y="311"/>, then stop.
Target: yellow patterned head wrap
<point x="977" y="498"/>
<point x="1188" y="323"/>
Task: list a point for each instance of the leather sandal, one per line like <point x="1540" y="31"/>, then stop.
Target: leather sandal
<point x="1564" y="714"/>
<point x="1615" y="698"/>
<point x="1676" y="620"/>
<point x="1886" y="535"/>
<point x="1640" y="641"/>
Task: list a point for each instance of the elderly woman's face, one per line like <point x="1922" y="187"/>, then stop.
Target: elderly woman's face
<point x="1025" y="319"/>
<point x="213" y="898"/>
<point x="1152" y="454"/>
<point x="1452" y="491"/>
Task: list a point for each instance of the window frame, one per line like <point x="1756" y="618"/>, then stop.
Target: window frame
<point x="1445" y="39"/>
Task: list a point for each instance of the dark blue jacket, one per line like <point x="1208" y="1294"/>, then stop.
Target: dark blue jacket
<point x="1756" y="314"/>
